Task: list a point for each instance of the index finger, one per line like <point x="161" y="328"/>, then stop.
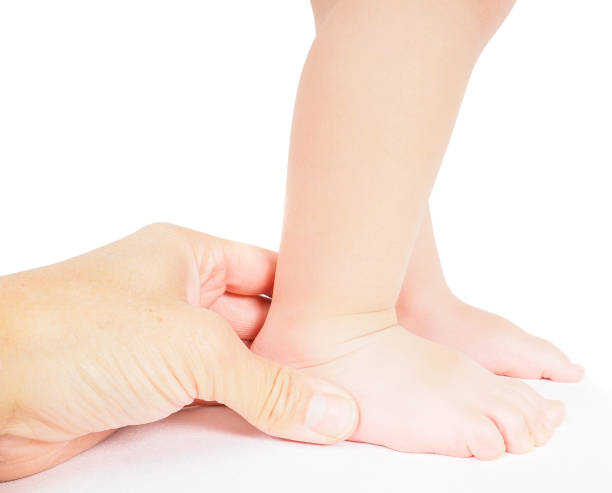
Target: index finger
<point x="249" y="270"/>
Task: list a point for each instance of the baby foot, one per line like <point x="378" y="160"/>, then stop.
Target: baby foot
<point x="494" y="342"/>
<point x="414" y="395"/>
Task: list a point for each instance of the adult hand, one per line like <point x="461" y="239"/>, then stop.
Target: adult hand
<point x="133" y="332"/>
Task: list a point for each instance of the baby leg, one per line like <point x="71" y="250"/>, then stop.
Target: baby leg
<point x="428" y="308"/>
<point x="376" y="105"/>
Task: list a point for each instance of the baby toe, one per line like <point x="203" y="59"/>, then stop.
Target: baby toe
<point x="513" y="427"/>
<point x="542" y="431"/>
<point x="484" y="439"/>
<point x="554" y="411"/>
<point x="556" y="366"/>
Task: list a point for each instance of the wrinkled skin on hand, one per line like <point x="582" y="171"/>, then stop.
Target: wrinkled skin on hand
<point x="131" y="333"/>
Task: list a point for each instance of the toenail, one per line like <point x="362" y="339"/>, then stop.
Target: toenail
<point x="331" y="415"/>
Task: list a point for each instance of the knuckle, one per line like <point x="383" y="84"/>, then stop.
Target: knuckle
<point x="280" y="405"/>
<point x="161" y="228"/>
<point x="161" y="225"/>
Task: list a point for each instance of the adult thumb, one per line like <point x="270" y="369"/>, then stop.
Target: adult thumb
<point x="282" y="402"/>
<point x="279" y="400"/>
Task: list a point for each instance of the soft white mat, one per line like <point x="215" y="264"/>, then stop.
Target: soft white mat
<point x="208" y="449"/>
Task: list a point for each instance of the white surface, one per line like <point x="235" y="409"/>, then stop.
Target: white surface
<point x="119" y="113"/>
<point x="214" y="449"/>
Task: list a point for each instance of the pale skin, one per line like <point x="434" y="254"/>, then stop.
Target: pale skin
<point x="133" y="332"/>
<point x="427" y="307"/>
<point x="136" y="330"/>
<point x="377" y="102"/>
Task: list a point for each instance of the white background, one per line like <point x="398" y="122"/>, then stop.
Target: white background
<point x="119" y="113"/>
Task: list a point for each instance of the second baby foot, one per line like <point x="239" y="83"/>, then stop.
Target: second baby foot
<point x="414" y="395"/>
<point x="496" y="343"/>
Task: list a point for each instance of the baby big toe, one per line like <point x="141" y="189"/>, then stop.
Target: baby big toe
<point x="556" y="366"/>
